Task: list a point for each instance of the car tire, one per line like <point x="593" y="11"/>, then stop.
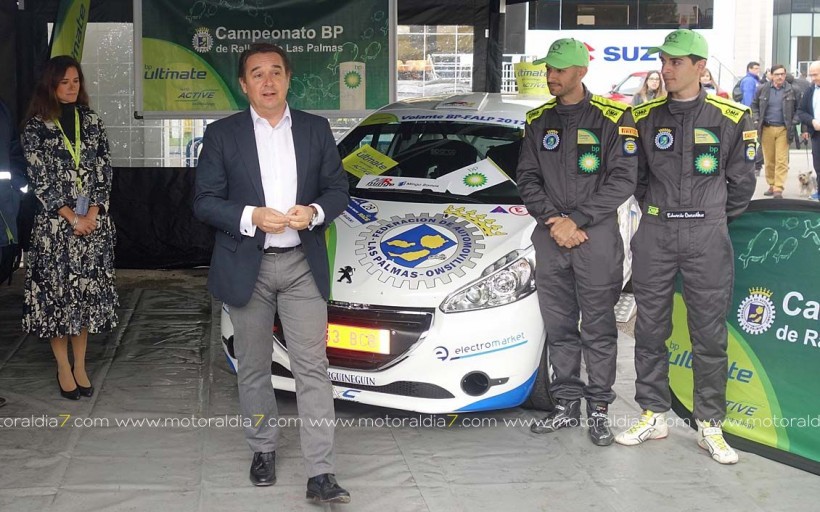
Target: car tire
<point x="227" y="345"/>
<point x="628" y="286"/>
<point x="539" y="398"/>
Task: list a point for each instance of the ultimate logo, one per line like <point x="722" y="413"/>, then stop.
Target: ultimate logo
<point x="203" y="41"/>
<point x="419" y="248"/>
<point x="756" y="313"/>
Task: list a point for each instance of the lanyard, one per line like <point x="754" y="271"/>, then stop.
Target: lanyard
<point x="75" y="151"/>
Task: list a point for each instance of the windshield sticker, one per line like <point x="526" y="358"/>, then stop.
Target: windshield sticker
<point x="477" y="118"/>
<point x="425" y="248"/>
<point x="480" y="220"/>
<point x="380" y="118"/>
<point x="474" y="177"/>
<point x="399" y="183"/>
<point x="367" y="161"/>
<point x="359" y="212"/>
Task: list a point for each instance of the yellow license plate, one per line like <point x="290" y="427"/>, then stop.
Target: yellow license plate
<point x="358" y="338"/>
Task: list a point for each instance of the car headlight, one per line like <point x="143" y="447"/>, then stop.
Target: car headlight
<point x="507" y="280"/>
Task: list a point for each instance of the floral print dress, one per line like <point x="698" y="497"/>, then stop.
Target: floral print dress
<point x="69" y="278"/>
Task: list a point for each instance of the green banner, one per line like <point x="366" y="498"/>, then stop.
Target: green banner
<point x="774" y="335"/>
<point x="339" y="51"/>
<point x="69" y="29"/>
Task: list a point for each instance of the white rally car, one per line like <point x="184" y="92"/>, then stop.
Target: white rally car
<point x="432" y="304"/>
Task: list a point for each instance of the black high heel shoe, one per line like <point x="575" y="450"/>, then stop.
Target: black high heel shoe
<point x="84" y="391"/>
<point x="74" y="394"/>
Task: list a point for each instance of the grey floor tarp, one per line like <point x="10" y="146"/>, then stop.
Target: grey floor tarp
<point x="165" y="361"/>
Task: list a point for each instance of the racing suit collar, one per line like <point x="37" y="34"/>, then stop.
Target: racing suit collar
<point x="571" y="110"/>
<point x="679" y="107"/>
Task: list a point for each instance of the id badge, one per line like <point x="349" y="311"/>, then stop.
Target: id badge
<point x="81" y="208"/>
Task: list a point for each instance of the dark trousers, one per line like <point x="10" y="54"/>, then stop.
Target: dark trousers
<point x="582" y="282"/>
<point x="702" y="253"/>
<point x="815" y="153"/>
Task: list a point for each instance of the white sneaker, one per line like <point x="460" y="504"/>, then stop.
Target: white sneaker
<point x="650" y="426"/>
<point x="710" y="438"/>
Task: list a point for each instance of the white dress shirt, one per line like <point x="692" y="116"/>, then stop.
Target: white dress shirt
<point x="815" y="102"/>
<point x="277" y="162"/>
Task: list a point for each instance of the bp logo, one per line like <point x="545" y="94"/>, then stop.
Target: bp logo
<point x="706" y="164"/>
<point x="664" y="139"/>
<point x="353" y="80"/>
<point x="203" y="41"/>
<point x="551" y="140"/>
<point x="475" y="179"/>
<point x="419" y="248"/>
<point x="589" y="163"/>
<point x="756" y="313"/>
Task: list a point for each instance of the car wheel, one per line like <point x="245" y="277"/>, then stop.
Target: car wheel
<point x="227" y="347"/>
<point x="628" y="286"/>
<point x="539" y="398"/>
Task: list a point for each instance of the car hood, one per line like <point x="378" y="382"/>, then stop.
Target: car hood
<point x="415" y="254"/>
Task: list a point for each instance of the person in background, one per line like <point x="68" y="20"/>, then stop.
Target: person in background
<point x="707" y="82"/>
<point x="801" y="86"/>
<point x="809" y="114"/>
<point x="774" y="109"/>
<point x="69" y="290"/>
<point x="749" y="83"/>
<point x="12" y="180"/>
<point x="651" y="89"/>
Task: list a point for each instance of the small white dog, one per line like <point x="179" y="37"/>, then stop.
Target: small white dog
<point x="808" y="183"/>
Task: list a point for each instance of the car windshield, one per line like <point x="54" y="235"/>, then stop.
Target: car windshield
<point x="630" y="85"/>
<point x="433" y="161"/>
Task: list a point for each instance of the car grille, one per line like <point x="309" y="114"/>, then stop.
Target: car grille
<point x="401" y="388"/>
<point x="406" y="326"/>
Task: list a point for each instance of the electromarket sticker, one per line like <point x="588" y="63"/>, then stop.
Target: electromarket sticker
<point x="367" y="161"/>
<point x="430" y="249"/>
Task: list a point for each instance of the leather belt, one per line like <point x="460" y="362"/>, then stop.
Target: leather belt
<point x="280" y="250"/>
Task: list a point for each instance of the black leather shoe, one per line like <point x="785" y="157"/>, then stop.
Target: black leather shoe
<point x="263" y="469"/>
<point x="598" y="421"/>
<point x="84" y="391"/>
<point x="74" y="394"/>
<point x="567" y="413"/>
<point x="324" y="489"/>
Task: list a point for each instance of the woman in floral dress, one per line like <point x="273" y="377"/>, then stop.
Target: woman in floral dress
<point x="69" y="289"/>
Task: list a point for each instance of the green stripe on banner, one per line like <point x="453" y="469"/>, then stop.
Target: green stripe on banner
<point x="69" y="29"/>
<point x="330" y="240"/>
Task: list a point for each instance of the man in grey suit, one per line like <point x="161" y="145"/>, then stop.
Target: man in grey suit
<point x="269" y="180"/>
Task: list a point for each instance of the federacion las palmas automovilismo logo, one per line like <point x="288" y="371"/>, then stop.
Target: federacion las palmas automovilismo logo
<point x="756" y="312"/>
<point x="202" y="41"/>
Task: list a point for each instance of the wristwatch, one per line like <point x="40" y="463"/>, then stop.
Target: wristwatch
<point x="313" y="217"/>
